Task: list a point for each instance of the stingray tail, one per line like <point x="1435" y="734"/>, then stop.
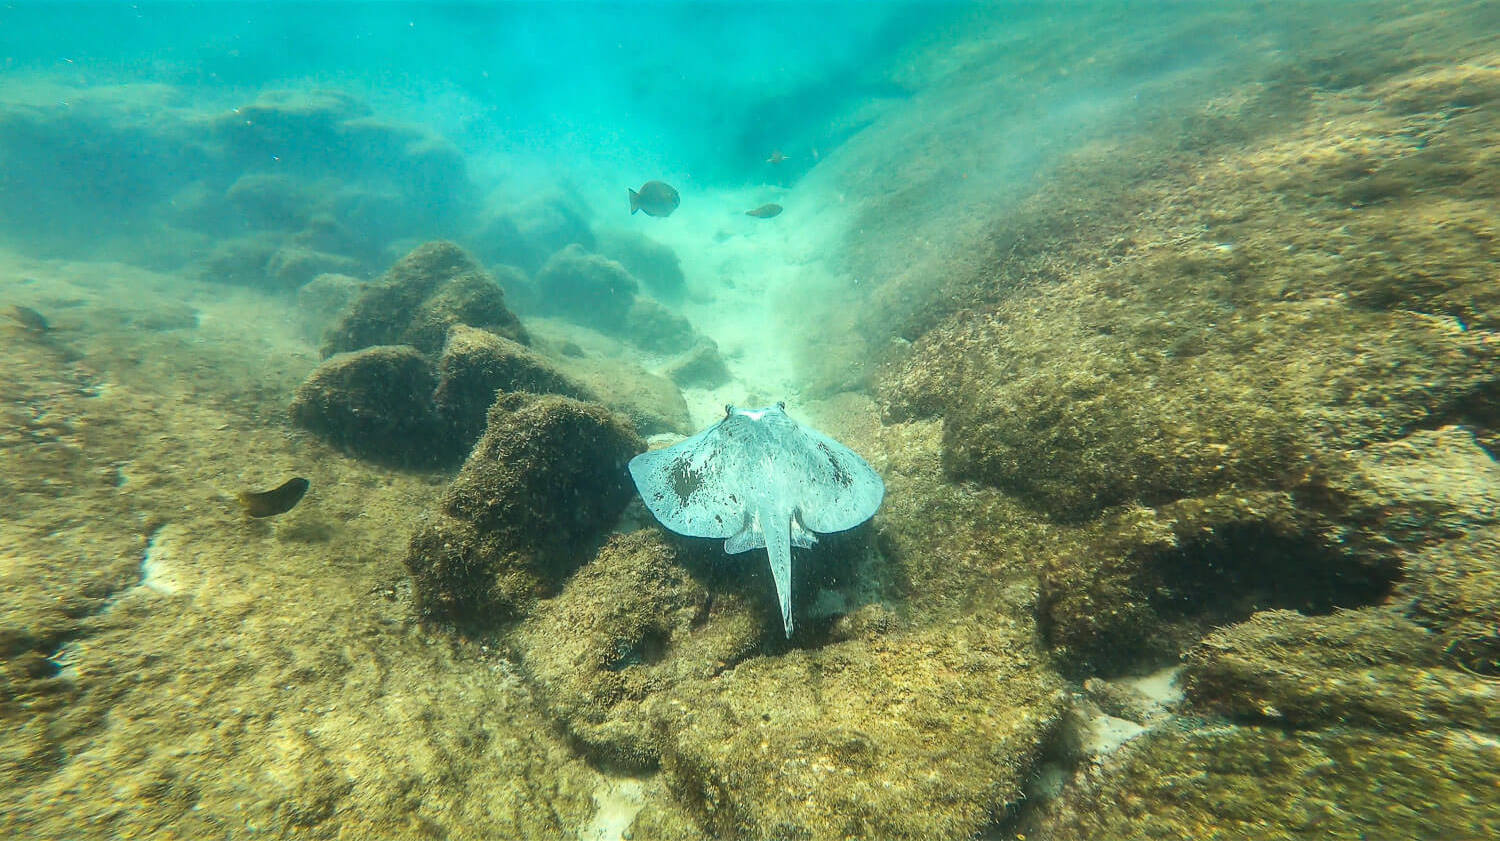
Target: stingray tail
<point x="635" y="201"/>
<point x="778" y="531"/>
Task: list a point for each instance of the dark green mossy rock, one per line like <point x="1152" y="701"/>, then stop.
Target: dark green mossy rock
<point x="476" y="364"/>
<point x="538" y="491"/>
<point x="651" y="402"/>
<point x="908" y="735"/>
<point x="1259" y="783"/>
<point x="1371" y="667"/>
<point x="700" y="367"/>
<point x="1140" y="585"/>
<point x="654" y="263"/>
<point x="586" y="288"/>
<point x="377" y="403"/>
<point x="471" y="299"/>
<point x="630" y="627"/>
<point x="651" y="326"/>
<point x="425" y="293"/>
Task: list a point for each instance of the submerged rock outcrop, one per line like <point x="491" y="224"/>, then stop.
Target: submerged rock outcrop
<point x="542" y="485"/>
<point x="376" y="403"/>
<point x="461" y="347"/>
<point x="428" y="291"/>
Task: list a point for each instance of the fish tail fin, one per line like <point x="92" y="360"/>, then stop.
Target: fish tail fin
<point x="635" y="201"/>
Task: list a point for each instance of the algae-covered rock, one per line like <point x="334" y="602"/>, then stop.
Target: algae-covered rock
<point x="376" y="403"/>
<point x="654" y="263"/>
<point x="293" y="265"/>
<point x="1255" y="783"/>
<point x="631" y="625"/>
<point x="1432" y="499"/>
<point x="651" y="402"/>
<point x="1142" y="584"/>
<point x="1370" y="667"/>
<point x="471" y="299"/>
<point x="920" y="734"/>
<point x="651" y="326"/>
<point x="586" y="288"/>
<point x="476" y="364"/>
<point x="320" y="300"/>
<point x="700" y="367"/>
<point x="419" y="298"/>
<point x="537" y="492"/>
<point x="1454" y="590"/>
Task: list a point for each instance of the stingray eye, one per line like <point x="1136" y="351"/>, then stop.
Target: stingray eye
<point x="728" y="409"/>
<point x="781" y="404"/>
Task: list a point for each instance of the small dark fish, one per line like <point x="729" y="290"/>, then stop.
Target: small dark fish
<point x="29" y="319"/>
<point x="657" y="198"/>
<point x="765" y="211"/>
<point x="776" y="157"/>
<point x="278" y="501"/>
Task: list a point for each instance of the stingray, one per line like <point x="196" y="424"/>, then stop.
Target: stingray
<point x="760" y="480"/>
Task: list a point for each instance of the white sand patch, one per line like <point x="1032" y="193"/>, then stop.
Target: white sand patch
<point x="617" y="800"/>
<point x="160" y="568"/>
<point x="1160" y="686"/>
<point x="1105" y="733"/>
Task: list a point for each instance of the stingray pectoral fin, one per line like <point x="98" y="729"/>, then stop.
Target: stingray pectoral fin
<point x="779" y="548"/>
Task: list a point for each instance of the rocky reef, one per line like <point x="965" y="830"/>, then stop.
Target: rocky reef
<point x="543" y="483"/>
<point x="418" y="356"/>
<point x="376" y="403"/>
<point x="414" y="303"/>
<point x="1233" y="433"/>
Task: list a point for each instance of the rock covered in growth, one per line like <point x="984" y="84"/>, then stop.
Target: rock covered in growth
<point x="1339" y="722"/>
<point x="586" y="288"/>
<point x="1371" y="667"/>
<point x="651" y="326"/>
<point x="1249" y="783"/>
<point x="885" y="733"/>
<point x="377" y="404"/>
<point x="539" y="489"/>
<point x="651" y="402"/>
<point x="1434" y="497"/>
<point x="919" y="734"/>
<point x="655" y="264"/>
<point x="627" y="629"/>
<point x="476" y="364"/>
<point x="1141" y="584"/>
<point x="428" y="291"/>
<point x="700" y="367"/>
<point x="322" y="299"/>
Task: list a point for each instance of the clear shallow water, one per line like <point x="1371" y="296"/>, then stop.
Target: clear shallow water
<point x="1170" y="331"/>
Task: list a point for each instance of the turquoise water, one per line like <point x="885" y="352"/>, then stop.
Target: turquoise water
<point x="1169" y="331"/>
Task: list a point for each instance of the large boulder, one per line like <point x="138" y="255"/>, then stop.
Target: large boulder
<point x="655" y="264"/>
<point x="415" y="303"/>
<point x="630" y="625"/>
<point x="927" y="733"/>
<point x="476" y="364"/>
<point x="700" y="367"/>
<point x="537" y="493"/>
<point x="587" y="289"/>
<point x="376" y="403"/>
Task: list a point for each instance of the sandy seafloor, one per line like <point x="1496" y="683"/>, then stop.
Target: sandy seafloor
<point x="174" y="669"/>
